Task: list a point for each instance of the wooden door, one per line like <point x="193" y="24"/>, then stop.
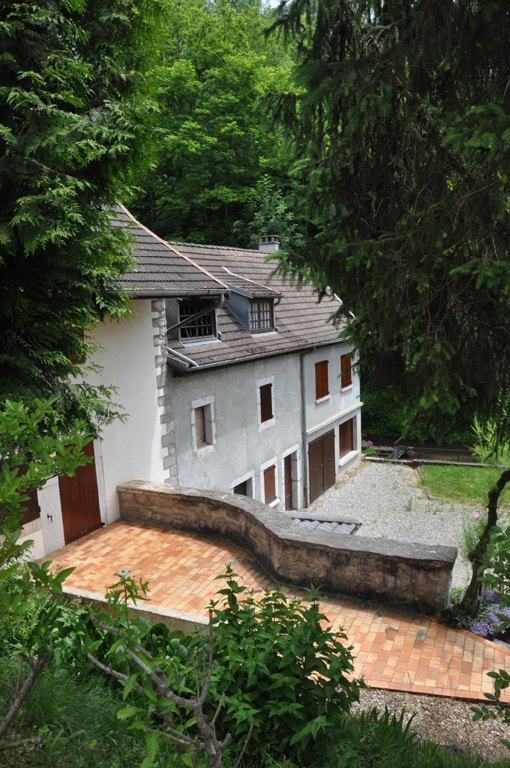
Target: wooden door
<point x="315" y="469"/>
<point x="287" y="462"/>
<point x="321" y="462"/>
<point x="80" y="500"/>
<point x="328" y="459"/>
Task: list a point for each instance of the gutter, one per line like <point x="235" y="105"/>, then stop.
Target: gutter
<point x="261" y="355"/>
<point x="303" y="425"/>
<point x="185" y="362"/>
<point x="175" y="294"/>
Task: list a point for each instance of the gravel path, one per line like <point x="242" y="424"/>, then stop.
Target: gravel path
<point x="387" y="499"/>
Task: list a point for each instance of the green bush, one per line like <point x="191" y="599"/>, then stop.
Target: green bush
<point x="281" y="668"/>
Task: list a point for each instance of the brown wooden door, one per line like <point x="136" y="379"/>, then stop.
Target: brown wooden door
<point x="80" y="500"/>
<point x="328" y="459"/>
<point x="321" y="462"/>
<point x="315" y="468"/>
<point x="287" y="462"/>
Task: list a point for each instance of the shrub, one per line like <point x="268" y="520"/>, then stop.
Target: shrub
<point x="281" y="668"/>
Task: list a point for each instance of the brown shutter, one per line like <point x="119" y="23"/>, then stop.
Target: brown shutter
<point x="266" y="402"/>
<point x="269" y="484"/>
<point x="346" y="437"/>
<point x="328" y="459"/>
<point x="321" y="379"/>
<point x="345" y="369"/>
<point x="32" y="509"/>
<point x="200" y="426"/>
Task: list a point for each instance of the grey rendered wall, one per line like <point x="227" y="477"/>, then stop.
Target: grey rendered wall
<point x="339" y="406"/>
<point x="242" y="447"/>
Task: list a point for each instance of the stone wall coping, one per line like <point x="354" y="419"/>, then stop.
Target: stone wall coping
<point x="281" y="526"/>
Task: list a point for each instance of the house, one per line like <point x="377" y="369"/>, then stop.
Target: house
<point x="230" y="379"/>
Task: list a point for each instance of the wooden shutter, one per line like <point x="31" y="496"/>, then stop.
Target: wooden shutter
<point x="345" y="369"/>
<point x="346" y="437"/>
<point x="270" y="484"/>
<point x="200" y="426"/>
<point x="32" y="509"/>
<point x="266" y="402"/>
<point x="321" y="379"/>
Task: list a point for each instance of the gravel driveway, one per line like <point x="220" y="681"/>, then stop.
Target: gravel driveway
<point x="387" y="499"/>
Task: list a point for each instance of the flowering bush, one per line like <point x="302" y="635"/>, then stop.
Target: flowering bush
<point x="368" y="449"/>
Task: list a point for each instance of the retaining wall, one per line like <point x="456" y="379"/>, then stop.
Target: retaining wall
<point x="406" y="575"/>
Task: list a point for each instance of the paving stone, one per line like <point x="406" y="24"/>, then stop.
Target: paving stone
<point x="393" y="650"/>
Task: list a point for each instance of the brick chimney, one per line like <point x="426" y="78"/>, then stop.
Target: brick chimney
<point x="269" y="243"/>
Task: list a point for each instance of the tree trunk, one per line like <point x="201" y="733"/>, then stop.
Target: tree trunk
<point x="477" y="555"/>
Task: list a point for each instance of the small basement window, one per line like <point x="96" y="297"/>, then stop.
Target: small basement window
<point x="261" y="315"/>
<point x="203" y="327"/>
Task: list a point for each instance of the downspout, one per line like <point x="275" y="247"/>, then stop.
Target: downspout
<point x="303" y="424"/>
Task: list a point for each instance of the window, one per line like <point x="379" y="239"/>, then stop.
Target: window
<point x="261" y="315"/>
<point x="199" y="327"/>
<point x="321" y="380"/>
<point x="270" y="484"/>
<point x="266" y="402"/>
<point x="202" y="422"/>
<point x="345" y="371"/>
<point x="346" y="437"/>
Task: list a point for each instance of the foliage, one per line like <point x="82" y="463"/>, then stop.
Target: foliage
<point x="468" y="485"/>
<point x="496" y="566"/>
<point x="34" y="446"/>
<point x="281" y="668"/>
<point x="274" y="682"/>
<point x="371" y="739"/>
<point x="76" y="719"/>
<point x="75" y="105"/>
<point x="399" y="119"/>
<point x="216" y="146"/>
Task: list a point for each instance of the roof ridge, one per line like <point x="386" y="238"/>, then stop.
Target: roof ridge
<point x="221" y="247"/>
<point x="174" y="250"/>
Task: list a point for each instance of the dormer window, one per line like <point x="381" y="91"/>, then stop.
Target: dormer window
<point x="201" y="327"/>
<point x="261" y="315"/>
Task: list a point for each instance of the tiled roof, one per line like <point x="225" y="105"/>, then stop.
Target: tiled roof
<point x="301" y="321"/>
<point x="160" y="269"/>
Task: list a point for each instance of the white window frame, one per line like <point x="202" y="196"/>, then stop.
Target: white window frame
<point x="210" y="426"/>
<point x="243" y="479"/>
<point x="297" y="480"/>
<point x="271" y="463"/>
<point x="270" y="422"/>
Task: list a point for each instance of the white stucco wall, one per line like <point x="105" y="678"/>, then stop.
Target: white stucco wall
<point x="243" y="447"/>
<point x="130" y="449"/>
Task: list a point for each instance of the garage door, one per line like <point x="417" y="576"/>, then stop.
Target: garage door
<point x="321" y="462"/>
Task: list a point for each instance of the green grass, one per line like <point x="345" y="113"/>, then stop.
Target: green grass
<point x="464" y="484"/>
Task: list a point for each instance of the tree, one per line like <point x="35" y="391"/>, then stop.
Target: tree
<point x="400" y="125"/>
<point x="34" y="446"/>
<point x="215" y="144"/>
<point x="74" y="106"/>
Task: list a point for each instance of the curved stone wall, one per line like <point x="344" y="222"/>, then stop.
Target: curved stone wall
<point x="407" y="575"/>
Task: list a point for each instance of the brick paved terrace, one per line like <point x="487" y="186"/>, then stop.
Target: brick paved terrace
<point x="392" y="649"/>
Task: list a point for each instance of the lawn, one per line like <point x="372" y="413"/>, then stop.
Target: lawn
<point x="464" y="484"/>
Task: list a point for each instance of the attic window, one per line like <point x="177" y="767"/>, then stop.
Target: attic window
<point x="203" y="327"/>
<point x="261" y="315"/>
